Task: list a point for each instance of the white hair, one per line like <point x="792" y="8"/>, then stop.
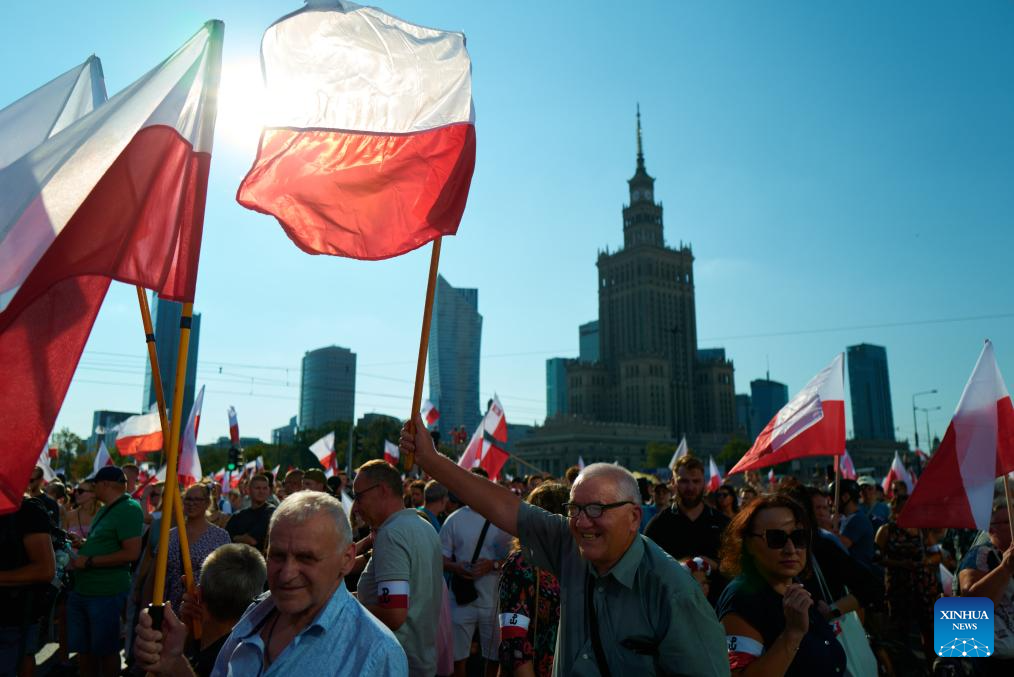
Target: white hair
<point x="622" y="479"/>
<point x="304" y="505"/>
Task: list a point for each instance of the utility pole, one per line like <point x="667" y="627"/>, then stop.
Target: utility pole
<point x="915" y="421"/>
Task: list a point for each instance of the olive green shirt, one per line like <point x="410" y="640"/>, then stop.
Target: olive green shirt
<point x="653" y="617"/>
<point x="113" y="524"/>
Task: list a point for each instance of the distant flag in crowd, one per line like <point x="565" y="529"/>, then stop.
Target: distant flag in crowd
<point x="250" y="467"/>
<point x="580" y="462"/>
<point x="44" y="463"/>
<point x="369" y="147"/>
<point x="922" y="456"/>
<point x="102" y="458"/>
<point x="848" y="468"/>
<point x="714" y="475"/>
<point x="772" y="481"/>
<point x="323" y="449"/>
<point x="486" y="448"/>
<point x="681" y="451"/>
<point x="117" y="194"/>
<point x="274" y="473"/>
<point x="811" y="424"/>
<point x="391" y="453"/>
<point x="429" y="413"/>
<point x="956" y="486"/>
<point x="259" y="463"/>
<point x="139" y="435"/>
<point x="897" y="472"/>
<point x="233" y="428"/>
<point x="189" y="469"/>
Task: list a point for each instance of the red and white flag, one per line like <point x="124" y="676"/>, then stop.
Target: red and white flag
<point x="139" y="435"/>
<point x="811" y="424"/>
<point x="772" y="481"/>
<point x="118" y="194"/>
<point x="429" y="412"/>
<point x="956" y="487"/>
<point x="897" y="472"/>
<point x="369" y="146"/>
<point x="580" y="462"/>
<point x="486" y="448"/>
<point x="233" y="428"/>
<point x="714" y="475"/>
<point x="274" y="473"/>
<point x="848" y="468"/>
<point x="44" y="462"/>
<point x="102" y="458"/>
<point x="323" y="449"/>
<point x="681" y="451"/>
<point x="391" y="453"/>
<point x="189" y="470"/>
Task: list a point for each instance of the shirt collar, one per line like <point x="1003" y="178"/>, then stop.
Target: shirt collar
<point x="625" y="570"/>
<point x="327" y="618"/>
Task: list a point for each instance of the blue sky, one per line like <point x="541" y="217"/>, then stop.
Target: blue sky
<point x="835" y="166"/>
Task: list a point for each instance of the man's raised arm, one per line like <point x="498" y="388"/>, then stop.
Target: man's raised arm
<point x="494" y="502"/>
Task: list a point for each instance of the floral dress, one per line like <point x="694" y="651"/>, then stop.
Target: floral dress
<point x="212" y="538"/>
<point x="518" y="598"/>
<point x="910" y="592"/>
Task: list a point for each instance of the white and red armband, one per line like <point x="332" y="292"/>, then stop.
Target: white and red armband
<point x="513" y="625"/>
<point x="742" y="651"/>
<point x="392" y="594"/>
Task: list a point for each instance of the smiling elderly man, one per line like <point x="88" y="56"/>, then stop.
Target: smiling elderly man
<point x="308" y="623"/>
<point x="627" y="607"/>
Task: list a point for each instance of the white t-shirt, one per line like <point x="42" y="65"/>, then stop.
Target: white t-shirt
<point x="458" y="537"/>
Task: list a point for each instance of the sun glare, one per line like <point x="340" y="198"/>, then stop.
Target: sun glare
<point x="240" y="104"/>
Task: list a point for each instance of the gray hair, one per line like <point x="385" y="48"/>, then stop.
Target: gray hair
<point x="231" y="578"/>
<point x="304" y="505"/>
<point x="622" y="479"/>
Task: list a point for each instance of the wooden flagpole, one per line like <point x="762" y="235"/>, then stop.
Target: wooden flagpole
<point x="1010" y="504"/>
<point x="424" y="344"/>
<point x="172" y="456"/>
<point x="837" y="485"/>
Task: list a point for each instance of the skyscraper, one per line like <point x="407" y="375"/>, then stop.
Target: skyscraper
<point x="589" y="341"/>
<point x="103" y="422"/>
<point x="165" y="319"/>
<point x="870" y="389"/>
<point x="556" y="386"/>
<point x="455" y="340"/>
<point x="766" y="398"/>
<point x="327" y="391"/>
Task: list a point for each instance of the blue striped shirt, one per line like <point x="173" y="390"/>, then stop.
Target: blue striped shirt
<point x="344" y="639"/>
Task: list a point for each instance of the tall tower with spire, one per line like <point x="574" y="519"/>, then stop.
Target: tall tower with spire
<point x="642" y="218"/>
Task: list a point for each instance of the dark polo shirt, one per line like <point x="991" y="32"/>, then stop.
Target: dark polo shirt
<point x="682" y="537"/>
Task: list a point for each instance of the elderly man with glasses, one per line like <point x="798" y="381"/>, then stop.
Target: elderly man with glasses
<point x="627" y="607"/>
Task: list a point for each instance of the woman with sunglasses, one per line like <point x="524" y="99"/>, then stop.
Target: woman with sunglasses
<point x="78" y="519"/>
<point x="726" y="500"/>
<point x="771" y="623"/>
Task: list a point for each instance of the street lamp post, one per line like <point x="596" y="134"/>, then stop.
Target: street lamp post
<point x="915" y="422"/>
<point x="927" y="410"/>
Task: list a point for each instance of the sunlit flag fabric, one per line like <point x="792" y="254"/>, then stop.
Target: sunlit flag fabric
<point x="190" y="461"/>
<point x="323" y="449"/>
<point x="233" y="427"/>
<point x="429" y="413"/>
<point x="956" y="487"/>
<point x="486" y="449"/>
<point x="118" y="194"/>
<point x="811" y="424"/>
<point x="391" y="453"/>
<point x="102" y="458"/>
<point x="368" y="145"/>
<point x="896" y="472"/>
<point x="714" y="475"/>
<point x="681" y="451"/>
<point x="848" y="468"/>
<point x="139" y="435"/>
<point x="44" y="463"/>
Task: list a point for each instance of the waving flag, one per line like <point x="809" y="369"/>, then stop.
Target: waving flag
<point x="323" y="449"/>
<point x="369" y="147"/>
<point x="714" y="475"/>
<point x="772" y="481"/>
<point x="429" y="413"/>
<point x="848" y="468"/>
<point x="233" y="428"/>
<point x="956" y="487"/>
<point x="897" y="472"/>
<point x="681" y="451"/>
<point x="391" y="453"/>
<point x="139" y="435"/>
<point x="102" y="458"/>
<point x="811" y="424"/>
<point x="118" y="194"/>
<point x="44" y="462"/>
<point x="190" y="462"/>
<point x="580" y="462"/>
<point x="486" y="448"/>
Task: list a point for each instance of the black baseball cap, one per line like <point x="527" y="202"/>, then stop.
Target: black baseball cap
<point x="109" y="473"/>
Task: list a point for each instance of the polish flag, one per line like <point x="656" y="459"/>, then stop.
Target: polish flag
<point x="391" y="453"/>
<point x="118" y="194"/>
<point x="486" y="448"/>
<point x="580" y="463"/>
<point x="47" y="470"/>
<point x="956" y="487"/>
<point x="190" y="462"/>
<point x="323" y="449"/>
<point x="274" y="473"/>
<point x="771" y="478"/>
<point x="259" y="463"/>
<point x="681" y="451"/>
<point x="714" y="476"/>
<point x="811" y="424"/>
<point x="233" y="428"/>
<point x="219" y="475"/>
<point x="897" y="472"/>
<point x="369" y="144"/>
<point x="848" y="468"/>
<point x="102" y="458"/>
<point x="429" y="413"/>
<point x="139" y="435"/>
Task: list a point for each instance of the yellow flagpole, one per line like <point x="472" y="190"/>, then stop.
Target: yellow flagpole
<point x="424" y="343"/>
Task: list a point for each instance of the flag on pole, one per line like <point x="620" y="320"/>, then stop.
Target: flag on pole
<point x="772" y="482"/>
<point x="233" y="427"/>
<point x="190" y="462"/>
<point x="681" y="451"/>
<point x="486" y="448"/>
<point x="139" y="435"/>
<point x="260" y="463"/>
<point x="118" y="194"/>
<point x="102" y="458"/>
<point x="848" y="468"/>
<point x="580" y="462"/>
<point x="956" y="486"/>
<point x="897" y="472"/>
<point x="369" y="145"/>
<point x="430" y="414"/>
<point x="44" y="463"/>
<point x="391" y="453"/>
<point x="274" y="473"/>
<point x="811" y="424"/>
<point x="323" y="449"/>
<point x="714" y="475"/>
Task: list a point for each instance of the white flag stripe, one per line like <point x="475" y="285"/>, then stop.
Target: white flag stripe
<point x="139" y="426"/>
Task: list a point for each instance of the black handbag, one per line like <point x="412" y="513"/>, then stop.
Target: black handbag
<point x="464" y="588"/>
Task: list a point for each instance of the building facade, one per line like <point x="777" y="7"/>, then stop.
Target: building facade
<point x="588" y="341"/>
<point x="767" y="397"/>
<point x="327" y="391"/>
<point x="165" y="319"/>
<point x="285" y="434"/>
<point x="556" y="387"/>
<point x="455" y="342"/>
<point x="870" y="391"/>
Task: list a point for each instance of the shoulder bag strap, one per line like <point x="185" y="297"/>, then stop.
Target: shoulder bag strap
<point x="108" y="510"/>
<point x="482" y="539"/>
<point x="593" y="619"/>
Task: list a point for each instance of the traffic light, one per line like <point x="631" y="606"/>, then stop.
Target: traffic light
<point x="233" y="459"/>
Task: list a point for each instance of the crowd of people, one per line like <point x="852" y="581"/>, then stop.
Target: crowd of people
<point x="594" y="573"/>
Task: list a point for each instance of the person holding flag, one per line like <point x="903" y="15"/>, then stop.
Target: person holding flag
<point x="202" y="537"/>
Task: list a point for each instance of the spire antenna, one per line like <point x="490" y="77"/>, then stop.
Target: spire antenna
<point x="640" y="150"/>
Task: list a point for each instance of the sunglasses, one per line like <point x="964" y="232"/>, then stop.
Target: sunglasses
<point x="80" y="491"/>
<point x="776" y="538"/>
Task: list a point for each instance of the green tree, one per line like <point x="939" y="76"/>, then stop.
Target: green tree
<point x="658" y="454"/>
<point x="733" y="451"/>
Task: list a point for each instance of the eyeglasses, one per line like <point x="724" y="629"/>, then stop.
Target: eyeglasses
<point x="80" y="491"/>
<point x="776" y="538"/>
<point x="355" y="495"/>
<point x="592" y="510"/>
